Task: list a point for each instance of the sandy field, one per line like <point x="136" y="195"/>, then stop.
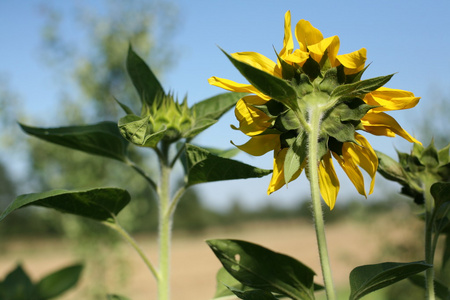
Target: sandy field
<point x="351" y="243"/>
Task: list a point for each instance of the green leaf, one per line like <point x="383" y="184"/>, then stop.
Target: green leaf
<point x="261" y="268"/>
<point x="274" y="87"/>
<point x="442" y="292"/>
<point x="102" y="139"/>
<point x="228" y="153"/>
<point x="215" y="107"/>
<point x="369" y="278"/>
<point x="58" y="282"/>
<point x="203" y="166"/>
<point x="145" y="82"/>
<point x="125" y="108"/>
<point x="17" y="285"/>
<point x="116" y="297"/>
<point x="138" y="131"/>
<point x="359" y="88"/>
<point x="253" y="294"/>
<point x="295" y="156"/>
<point x="391" y="169"/>
<point x="199" y="126"/>
<point x="224" y="281"/>
<point x="99" y="204"/>
<point x="441" y="193"/>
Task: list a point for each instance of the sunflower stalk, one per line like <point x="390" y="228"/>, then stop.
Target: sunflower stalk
<point x="314" y="125"/>
<point x="430" y="246"/>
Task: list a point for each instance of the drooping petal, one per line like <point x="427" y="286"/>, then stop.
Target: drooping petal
<point x="261" y="144"/>
<point x="391" y="99"/>
<point x="351" y="169"/>
<point x="288" y="41"/>
<point x="277" y="181"/>
<point x="235" y="87"/>
<point x="256" y="60"/>
<point x="379" y="123"/>
<point x="364" y="156"/>
<point x="252" y="121"/>
<point x="353" y="62"/>
<point x="297" y="57"/>
<point x="328" y="181"/>
<point x="307" y="35"/>
<point x="330" y="45"/>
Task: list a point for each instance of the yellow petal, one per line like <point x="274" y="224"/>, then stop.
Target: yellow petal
<point x="328" y="181"/>
<point x="391" y="99"/>
<point x="307" y="35"/>
<point x="353" y="62"/>
<point x="252" y="121"/>
<point x="364" y="156"/>
<point x="256" y="60"/>
<point x="297" y="57"/>
<point x="379" y="123"/>
<point x="235" y="87"/>
<point x="288" y="41"/>
<point x="330" y="44"/>
<point x="261" y="144"/>
<point x="277" y="181"/>
<point x="352" y="171"/>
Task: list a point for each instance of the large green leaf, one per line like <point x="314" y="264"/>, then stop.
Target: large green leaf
<point x="102" y="139"/>
<point x="359" y="88"/>
<point x="145" y="82"/>
<point x="17" y="285"/>
<point x="202" y="166"/>
<point x="58" y="282"/>
<point x="253" y="294"/>
<point x="369" y="278"/>
<point x="216" y="106"/>
<point x="98" y="204"/>
<point x="224" y="281"/>
<point x="274" y="87"/>
<point x="263" y="269"/>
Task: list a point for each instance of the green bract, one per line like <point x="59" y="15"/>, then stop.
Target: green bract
<point x="413" y="170"/>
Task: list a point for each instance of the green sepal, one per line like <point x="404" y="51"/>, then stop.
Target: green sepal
<point x="139" y="131"/>
<point x="125" y="108"/>
<point x="359" y="88"/>
<point x="145" y="82"/>
<point x="311" y="68"/>
<point x="103" y="139"/>
<point x="287" y="121"/>
<point x="287" y="71"/>
<point x="272" y="108"/>
<point x="391" y="169"/>
<point x="443" y="154"/>
<point x="351" y="109"/>
<point x="369" y="278"/>
<point x="100" y="204"/>
<point x="295" y="156"/>
<point x="303" y="85"/>
<point x="429" y="156"/>
<point x="330" y="81"/>
<point x="351" y="78"/>
<point x="274" y="87"/>
<point x="261" y="268"/>
<point x="202" y="166"/>
<point x="58" y="282"/>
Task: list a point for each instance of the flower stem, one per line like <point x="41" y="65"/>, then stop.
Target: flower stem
<point x="430" y="246"/>
<point x="164" y="226"/>
<point x="314" y="123"/>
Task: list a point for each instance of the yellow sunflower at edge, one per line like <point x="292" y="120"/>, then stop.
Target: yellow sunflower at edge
<point x="253" y="122"/>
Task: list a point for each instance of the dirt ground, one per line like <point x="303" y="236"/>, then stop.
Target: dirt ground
<point x="351" y="243"/>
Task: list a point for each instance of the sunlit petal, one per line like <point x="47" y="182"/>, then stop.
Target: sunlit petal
<point x="330" y="45"/>
<point x="297" y="57"/>
<point x="352" y="171"/>
<point x="307" y="35"/>
<point x="288" y="41"/>
<point x="252" y="121"/>
<point x="235" y="87"/>
<point x="391" y="99"/>
<point x="256" y="60"/>
<point x="261" y="144"/>
<point x="379" y="123"/>
<point x="353" y="62"/>
<point x="277" y="181"/>
<point x="328" y="181"/>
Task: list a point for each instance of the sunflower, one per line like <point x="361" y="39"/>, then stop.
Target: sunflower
<point x="313" y="78"/>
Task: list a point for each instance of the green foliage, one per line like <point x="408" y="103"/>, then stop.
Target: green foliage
<point x="262" y="269"/>
<point x="117" y="297"/>
<point x="369" y="278"/>
<point x="100" y="204"/>
<point x="17" y="285"/>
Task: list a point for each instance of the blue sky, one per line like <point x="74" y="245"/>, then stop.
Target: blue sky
<point x="409" y="38"/>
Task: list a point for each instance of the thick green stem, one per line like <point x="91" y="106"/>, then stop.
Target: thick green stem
<point x="430" y="246"/>
<point x="164" y="227"/>
<point x="313" y="160"/>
